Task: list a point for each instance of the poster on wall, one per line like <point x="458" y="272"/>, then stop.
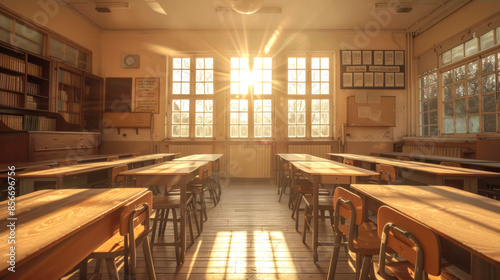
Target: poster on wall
<point x="147" y="95"/>
<point x="372" y="69"/>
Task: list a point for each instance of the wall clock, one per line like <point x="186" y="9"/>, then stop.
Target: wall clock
<point x="130" y="61"/>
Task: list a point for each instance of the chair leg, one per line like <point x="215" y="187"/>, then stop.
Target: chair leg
<point x="365" y="266"/>
<point x="149" y="259"/>
<point x="357" y="265"/>
<point x="83" y="269"/>
<point x="335" y="257"/>
<point x="176" y="238"/>
<point x="297" y="211"/>
<point x="155" y="223"/>
<point x="112" y="269"/>
<point x="164" y="223"/>
<point x="190" y="224"/>
<point x="306" y="223"/>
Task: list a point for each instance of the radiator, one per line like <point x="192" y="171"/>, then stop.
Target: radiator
<point x="249" y="161"/>
<point x="435" y="150"/>
<point x="315" y="150"/>
<point x="187" y="150"/>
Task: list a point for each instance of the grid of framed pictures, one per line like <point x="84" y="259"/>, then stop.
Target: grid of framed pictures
<point x="372" y="69"/>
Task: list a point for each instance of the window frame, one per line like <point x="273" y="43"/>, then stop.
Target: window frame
<point x="308" y="96"/>
<point x="192" y="97"/>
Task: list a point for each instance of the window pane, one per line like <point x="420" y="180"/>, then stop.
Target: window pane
<point x="473" y="124"/>
<point x="489" y="123"/>
<point x="488" y="64"/>
<point x="447" y="77"/>
<point x="262" y="75"/>
<point x="459" y="90"/>
<point x="460" y="125"/>
<point x="204" y="118"/>
<point x="489" y="83"/>
<point x="447" y="93"/>
<point x="180" y="75"/>
<point x="487" y="40"/>
<point x="473" y="87"/>
<point x="448" y="125"/>
<point x="472" y="69"/>
<point x="204" y="76"/>
<point x="471" y="47"/>
<point x="473" y="103"/>
<point x="489" y="103"/>
<point x="457" y="52"/>
<point x="29" y="33"/>
<point x="262" y="118"/>
<point x="448" y="109"/>
<point x="460" y="107"/>
<point x="240" y="75"/>
<point x="180" y="118"/>
<point x="296" y="75"/>
<point x="459" y="73"/>
<point x="239" y="117"/>
<point x="296" y="118"/>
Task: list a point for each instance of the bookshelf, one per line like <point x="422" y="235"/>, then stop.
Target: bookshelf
<point x="24" y="80"/>
<point x="69" y="93"/>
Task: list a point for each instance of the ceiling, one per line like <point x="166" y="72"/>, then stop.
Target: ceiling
<point x="284" y="14"/>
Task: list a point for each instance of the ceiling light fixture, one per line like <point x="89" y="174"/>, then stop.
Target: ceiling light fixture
<point x="245" y="7"/>
<point x="106" y="7"/>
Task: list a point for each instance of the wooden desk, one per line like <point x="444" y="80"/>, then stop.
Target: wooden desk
<point x="427" y="173"/>
<point x="465" y="162"/>
<point x="283" y="158"/>
<point x="56" y="229"/>
<point x="466" y="220"/>
<point x="326" y="172"/>
<point x="71" y="175"/>
<point x="215" y="172"/>
<point x="168" y="174"/>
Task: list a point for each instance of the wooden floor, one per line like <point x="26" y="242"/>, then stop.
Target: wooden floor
<point x="249" y="235"/>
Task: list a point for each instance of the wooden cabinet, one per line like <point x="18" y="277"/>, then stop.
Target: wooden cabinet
<point x="69" y="93"/>
<point x="43" y="145"/>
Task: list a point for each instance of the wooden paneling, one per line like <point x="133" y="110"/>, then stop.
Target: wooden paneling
<point x="250" y="161"/>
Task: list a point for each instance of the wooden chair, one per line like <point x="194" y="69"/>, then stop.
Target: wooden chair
<point x="158" y="160"/>
<point x="163" y="206"/>
<point x="325" y="203"/>
<point x="348" y="161"/>
<point x="453" y="164"/>
<point x="134" y="231"/>
<point x="117" y="180"/>
<point x="411" y="240"/>
<point x="68" y="162"/>
<point x="198" y="189"/>
<point x="361" y="236"/>
<point x="285" y="180"/>
<point x="388" y="173"/>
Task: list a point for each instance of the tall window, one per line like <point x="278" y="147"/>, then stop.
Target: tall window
<point x="192" y="92"/>
<point x="428" y="104"/>
<point x="250" y="97"/>
<point x="21" y="35"/>
<point x="470" y="96"/>
<point x="309" y="97"/>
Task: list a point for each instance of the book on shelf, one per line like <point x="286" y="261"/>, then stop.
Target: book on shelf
<point x="29" y="122"/>
<point x="34" y="89"/>
<point x="9" y="82"/>
<point x="12" y="63"/>
<point x="10" y="99"/>
<point x="34" y="70"/>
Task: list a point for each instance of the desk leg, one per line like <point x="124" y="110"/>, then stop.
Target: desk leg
<point x="183" y="218"/>
<point x="315" y="218"/>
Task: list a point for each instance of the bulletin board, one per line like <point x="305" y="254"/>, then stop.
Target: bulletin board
<point x="147" y="95"/>
<point x="375" y="112"/>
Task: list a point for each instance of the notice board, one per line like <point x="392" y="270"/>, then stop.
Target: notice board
<point x="147" y="95"/>
<point x="374" y="112"/>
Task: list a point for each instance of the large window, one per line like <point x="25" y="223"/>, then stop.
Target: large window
<point x="469" y="95"/>
<point x="250" y="108"/>
<point x="192" y="91"/>
<point x="21" y="35"/>
<point x="309" y="96"/>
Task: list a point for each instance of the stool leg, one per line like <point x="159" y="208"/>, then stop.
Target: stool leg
<point x="164" y="223"/>
<point x="155" y="223"/>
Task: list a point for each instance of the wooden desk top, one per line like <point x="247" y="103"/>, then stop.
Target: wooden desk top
<point x="466" y="161"/>
<point x="469" y="220"/>
<point x="77" y="169"/>
<point x="48" y="218"/>
<point x="435" y="169"/>
<point x="167" y="168"/>
<point x="331" y="168"/>
<point x="202" y="157"/>
<point x="301" y="157"/>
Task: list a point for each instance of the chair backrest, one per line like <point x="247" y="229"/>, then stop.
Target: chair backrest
<point x="387" y="173"/>
<point x="454" y="164"/>
<point x="131" y="216"/>
<point x="158" y="160"/>
<point x="410" y="239"/>
<point x="111" y="158"/>
<point x="374" y="154"/>
<point x="403" y="158"/>
<point x="349" y="161"/>
<point x="68" y="162"/>
<point x="350" y="207"/>
<point x="136" y="154"/>
<point x="116" y="178"/>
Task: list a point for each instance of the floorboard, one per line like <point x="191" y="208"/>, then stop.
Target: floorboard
<point x="248" y="235"/>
